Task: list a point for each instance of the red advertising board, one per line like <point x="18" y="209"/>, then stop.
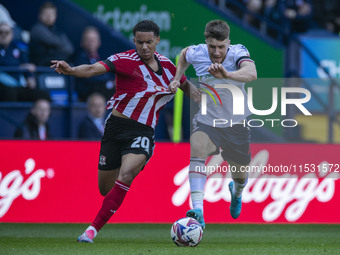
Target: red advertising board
<point x="56" y="181"/>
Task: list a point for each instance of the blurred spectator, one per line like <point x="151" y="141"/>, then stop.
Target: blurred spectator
<point x="88" y="54"/>
<point x="5" y="17"/>
<point x="47" y="42"/>
<point x="16" y="86"/>
<point x="297" y="15"/>
<point x="270" y="10"/>
<point x="92" y="126"/>
<point x="255" y="7"/>
<point x="271" y="13"/>
<point x="18" y="32"/>
<point x="35" y="125"/>
<point x="327" y="14"/>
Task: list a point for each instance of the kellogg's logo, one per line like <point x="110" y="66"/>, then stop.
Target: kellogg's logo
<point x="16" y="183"/>
<point x="289" y="193"/>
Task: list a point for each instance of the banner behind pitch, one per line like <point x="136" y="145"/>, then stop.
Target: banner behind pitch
<point x="56" y="181"/>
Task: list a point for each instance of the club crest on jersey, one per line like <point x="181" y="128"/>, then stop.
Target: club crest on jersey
<point x="102" y="160"/>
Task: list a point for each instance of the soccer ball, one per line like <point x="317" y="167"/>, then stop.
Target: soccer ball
<point x="186" y="232"/>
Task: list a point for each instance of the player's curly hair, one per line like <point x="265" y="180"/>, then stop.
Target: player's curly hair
<point x="146" y="26"/>
<point x="217" y="29"/>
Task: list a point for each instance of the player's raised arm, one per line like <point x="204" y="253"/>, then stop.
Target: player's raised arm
<point x="182" y="66"/>
<point x="81" y="71"/>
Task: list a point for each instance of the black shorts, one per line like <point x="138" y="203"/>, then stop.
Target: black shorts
<point x="123" y="136"/>
<point x="234" y="141"/>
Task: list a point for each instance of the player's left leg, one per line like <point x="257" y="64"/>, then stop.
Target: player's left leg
<point x="132" y="164"/>
<point x="236" y="151"/>
<point x="240" y="180"/>
<point x="200" y="148"/>
<point x="106" y="181"/>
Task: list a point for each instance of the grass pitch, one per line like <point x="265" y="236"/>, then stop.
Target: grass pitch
<point x="147" y="239"/>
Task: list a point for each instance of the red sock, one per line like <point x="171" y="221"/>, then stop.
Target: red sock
<point x="111" y="203"/>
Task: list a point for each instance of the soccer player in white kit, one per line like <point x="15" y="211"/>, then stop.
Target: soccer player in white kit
<point x="218" y="62"/>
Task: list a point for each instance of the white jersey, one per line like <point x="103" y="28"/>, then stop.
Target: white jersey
<point x="198" y="56"/>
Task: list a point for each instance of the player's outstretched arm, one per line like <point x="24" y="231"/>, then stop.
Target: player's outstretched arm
<point x="182" y="66"/>
<point x="81" y="71"/>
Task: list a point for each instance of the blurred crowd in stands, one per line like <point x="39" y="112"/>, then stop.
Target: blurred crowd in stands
<point x="280" y="18"/>
<point x="44" y="43"/>
<point x="22" y="53"/>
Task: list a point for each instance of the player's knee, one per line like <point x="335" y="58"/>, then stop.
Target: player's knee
<point x="127" y="178"/>
<point x="197" y="149"/>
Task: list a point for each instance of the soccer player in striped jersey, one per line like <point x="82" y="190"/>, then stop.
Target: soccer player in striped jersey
<point x="218" y="62"/>
<point x="142" y="79"/>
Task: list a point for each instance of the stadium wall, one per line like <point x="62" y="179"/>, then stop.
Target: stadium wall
<point x="56" y="182"/>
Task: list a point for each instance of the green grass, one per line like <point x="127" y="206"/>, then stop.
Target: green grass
<point x="145" y="239"/>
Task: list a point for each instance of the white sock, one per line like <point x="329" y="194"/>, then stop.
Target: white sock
<point x="238" y="188"/>
<point x="197" y="200"/>
<point x="94" y="230"/>
<point x="197" y="179"/>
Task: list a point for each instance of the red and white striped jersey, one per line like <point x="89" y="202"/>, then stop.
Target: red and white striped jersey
<point x="140" y="92"/>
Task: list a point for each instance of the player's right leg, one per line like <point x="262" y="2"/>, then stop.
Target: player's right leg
<point x="106" y="181"/>
<point x="200" y="148"/>
<point x="132" y="164"/>
<point x="119" y="151"/>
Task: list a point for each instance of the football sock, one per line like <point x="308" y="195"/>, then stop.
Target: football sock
<point x="197" y="179"/>
<point x="198" y="203"/>
<point x="238" y="188"/>
<point x="111" y="203"/>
